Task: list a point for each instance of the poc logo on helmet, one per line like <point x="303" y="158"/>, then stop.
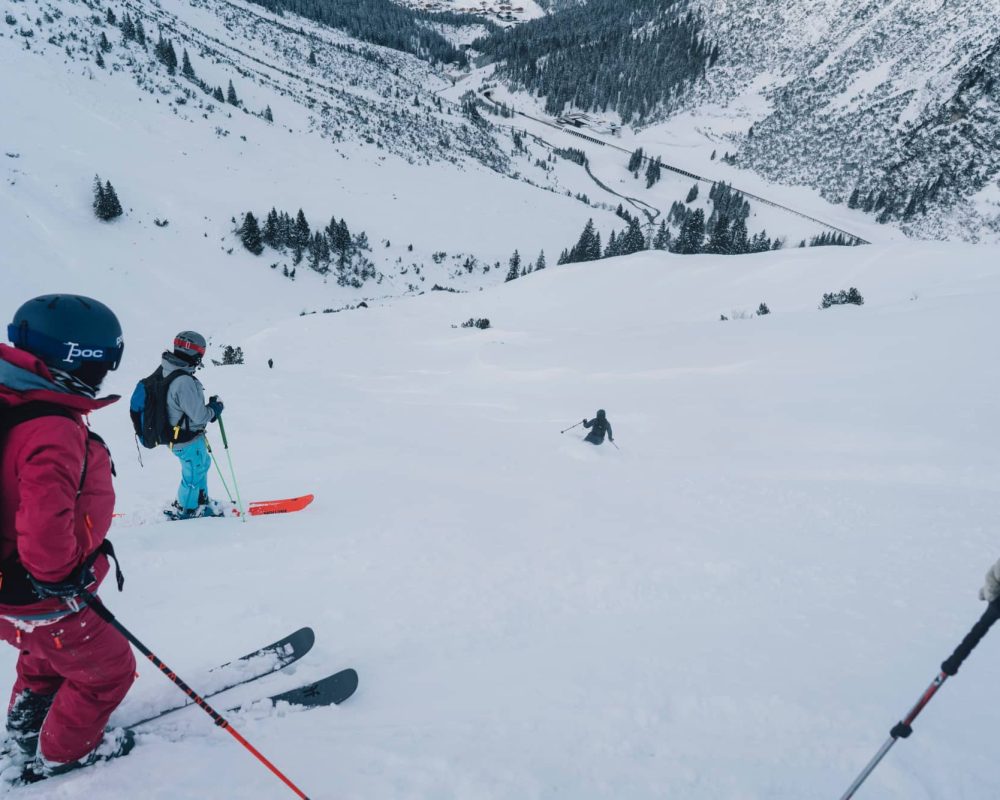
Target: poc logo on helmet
<point x="76" y="352"/>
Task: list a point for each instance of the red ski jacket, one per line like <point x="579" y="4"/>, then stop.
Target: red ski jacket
<point x="51" y="519"/>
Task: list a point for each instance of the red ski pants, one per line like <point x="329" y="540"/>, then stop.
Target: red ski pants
<point x="87" y="664"/>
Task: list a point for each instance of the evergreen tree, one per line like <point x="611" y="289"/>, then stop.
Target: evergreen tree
<point x="271" y="235"/>
<point x="692" y="194"/>
<point x="540" y="264"/>
<point x="653" y="173"/>
<point x="165" y="53"/>
<point x="99" y="60"/>
<point x="250" y="234"/>
<point x="869" y="204"/>
<point x="218" y="95"/>
<point x="106" y="204"/>
<point x="514" y="270"/>
<point x="140" y="32"/>
<point x="186" y="69"/>
<point x="855" y="200"/>
<point x="112" y="205"/>
<point x="103" y="43"/>
<point x="720" y="241"/>
<point x="301" y="236"/>
<point x="111" y="18"/>
<point x="98" y="195"/>
<point x="763" y="310"/>
<point x="231" y="97"/>
<point x="268" y="115"/>
<point x="588" y="248"/>
<point x="613" y="248"/>
<point x="319" y="252"/>
<point x="691" y="238"/>
<point x="632" y="241"/>
<point x="312" y="58"/>
<point x="128" y="28"/>
<point x="635" y="162"/>
<point x="739" y="239"/>
<point x="662" y="239"/>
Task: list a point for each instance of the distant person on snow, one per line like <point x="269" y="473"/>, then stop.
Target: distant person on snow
<point x="56" y="502"/>
<point x="599" y="425"/>
<point x="188" y="415"/>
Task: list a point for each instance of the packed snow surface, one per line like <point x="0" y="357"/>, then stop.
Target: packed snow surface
<point x="738" y="603"/>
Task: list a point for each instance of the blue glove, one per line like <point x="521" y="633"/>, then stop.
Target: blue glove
<point x="68" y="587"/>
<point x="215" y="404"/>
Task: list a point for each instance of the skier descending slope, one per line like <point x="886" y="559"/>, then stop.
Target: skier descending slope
<point x="599" y="425"/>
<point x="188" y="416"/>
<point x="56" y="502"/>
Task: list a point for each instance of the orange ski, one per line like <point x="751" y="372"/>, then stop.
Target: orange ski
<point x="280" y="506"/>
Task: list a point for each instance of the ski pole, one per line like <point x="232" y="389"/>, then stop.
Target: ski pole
<point x="903" y="728"/>
<point x="615" y="444"/>
<point x="218" y="469"/>
<point x="572" y="426"/>
<point x="236" y="487"/>
<point x="102" y="611"/>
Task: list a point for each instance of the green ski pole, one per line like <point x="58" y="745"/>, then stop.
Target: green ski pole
<point x="218" y="469"/>
<point x="225" y="444"/>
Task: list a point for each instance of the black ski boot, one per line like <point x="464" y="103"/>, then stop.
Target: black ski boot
<point x="116" y="743"/>
<point x="25" y="718"/>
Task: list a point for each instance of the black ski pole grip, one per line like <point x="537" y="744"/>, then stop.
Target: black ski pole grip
<point x="979" y="630"/>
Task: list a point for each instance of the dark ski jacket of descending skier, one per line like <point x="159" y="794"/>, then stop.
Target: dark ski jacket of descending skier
<point x="599" y="426"/>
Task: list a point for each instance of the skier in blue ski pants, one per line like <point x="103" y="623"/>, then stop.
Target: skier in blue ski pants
<point x="188" y="415"/>
<point x="195" y="464"/>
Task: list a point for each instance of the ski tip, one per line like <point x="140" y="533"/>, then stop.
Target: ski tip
<point x="286" y="506"/>
<point x="307" y="635"/>
<point x="349" y="680"/>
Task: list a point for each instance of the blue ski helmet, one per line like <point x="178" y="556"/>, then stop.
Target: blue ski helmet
<point x="69" y="332"/>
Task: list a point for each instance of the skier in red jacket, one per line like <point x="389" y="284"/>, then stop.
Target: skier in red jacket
<point x="56" y="504"/>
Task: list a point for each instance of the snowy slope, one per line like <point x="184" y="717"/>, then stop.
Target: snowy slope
<point x="736" y="604"/>
<point x="347" y="140"/>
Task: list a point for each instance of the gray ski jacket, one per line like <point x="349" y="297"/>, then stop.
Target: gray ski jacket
<point x="185" y="398"/>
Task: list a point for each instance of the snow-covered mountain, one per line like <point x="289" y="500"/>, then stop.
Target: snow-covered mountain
<point x="896" y="100"/>
<point x="900" y="97"/>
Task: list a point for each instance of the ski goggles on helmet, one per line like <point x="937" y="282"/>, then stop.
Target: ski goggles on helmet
<point x="65" y="355"/>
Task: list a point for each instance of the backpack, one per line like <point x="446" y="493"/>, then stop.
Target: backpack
<point x="148" y="408"/>
<point x="15" y="588"/>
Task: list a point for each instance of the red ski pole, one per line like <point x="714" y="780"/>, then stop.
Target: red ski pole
<point x="903" y="728"/>
<point x="102" y="611"/>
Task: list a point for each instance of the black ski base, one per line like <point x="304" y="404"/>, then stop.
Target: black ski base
<point x="329" y="691"/>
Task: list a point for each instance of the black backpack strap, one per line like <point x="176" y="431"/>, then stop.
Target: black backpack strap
<point x="108" y="550"/>
<point x="182" y="430"/>
<point x="26" y="412"/>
